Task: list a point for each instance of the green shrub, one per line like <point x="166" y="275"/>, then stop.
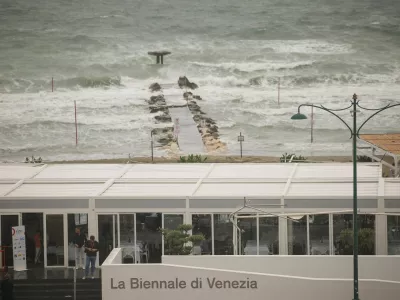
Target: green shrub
<point x="366" y="242"/>
<point x="191" y="158"/>
<point x="179" y="241"/>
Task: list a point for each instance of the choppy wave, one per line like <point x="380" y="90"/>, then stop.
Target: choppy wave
<point x="325" y="79"/>
<point x="24" y="85"/>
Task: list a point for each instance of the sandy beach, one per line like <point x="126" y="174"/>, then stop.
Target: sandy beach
<point x="210" y="159"/>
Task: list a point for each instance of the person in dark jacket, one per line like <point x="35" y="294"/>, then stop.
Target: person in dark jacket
<point x="7" y="288"/>
<point x="79" y="242"/>
<point x="91" y="249"/>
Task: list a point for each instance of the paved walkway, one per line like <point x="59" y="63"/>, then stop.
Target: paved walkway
<point x="189" y="138"/>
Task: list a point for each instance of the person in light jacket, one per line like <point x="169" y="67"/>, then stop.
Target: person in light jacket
<point x="79" y="242"/>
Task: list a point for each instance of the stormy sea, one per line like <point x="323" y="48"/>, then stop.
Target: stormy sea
<point x="241" y="54"/>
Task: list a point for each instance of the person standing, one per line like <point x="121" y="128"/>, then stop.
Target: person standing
<point x="38" y="247"/>
<point x="91" y="249"/>
<point x="79" y="242"/>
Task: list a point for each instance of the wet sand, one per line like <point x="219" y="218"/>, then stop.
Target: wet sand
<point x="210" y="159"/>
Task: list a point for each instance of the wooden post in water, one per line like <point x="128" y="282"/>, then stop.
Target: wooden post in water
<point x="76" y="127"/>
<point x="52" y="84"/>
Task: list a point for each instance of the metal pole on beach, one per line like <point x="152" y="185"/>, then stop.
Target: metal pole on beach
<point x="76" y="127"/>
<point x="241" y="139"/>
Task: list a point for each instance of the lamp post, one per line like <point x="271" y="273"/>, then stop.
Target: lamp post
<point x="354" y="134"/>
<point x="241" y="140"/>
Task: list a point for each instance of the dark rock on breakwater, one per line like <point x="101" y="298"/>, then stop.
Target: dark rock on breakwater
<point x="207" y="127"/>
<point x="155" y="87"/>
<point x="157" y="105"/>
<point x="183" y="82"/>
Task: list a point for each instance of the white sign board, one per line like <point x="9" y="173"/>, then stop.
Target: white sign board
<point x="19" y="248"/>
<point x="171" y="282"/>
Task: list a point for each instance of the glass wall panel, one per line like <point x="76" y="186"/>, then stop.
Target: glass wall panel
<point x="7" y="222"/>
<point x="202" y="225"/>
<point x="297" y="236"/>
<point x="76" y="222"/>
<point x="172" y="222"/>
<point x="223" y="235"/>
<point x="393" y="232"/>
<point x="319" y="234"/>
<point x="33" y="223"/>
<point x="269" y="235"/>
<point x="106" y="226"/>
<point x="149" y="236"/>
<point x="248" y="236"/>
<point x="130" y="253"/>
<point x="343" y="234"/>
<point x="55" y="240"/>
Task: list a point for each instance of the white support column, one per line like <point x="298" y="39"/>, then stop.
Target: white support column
<point x="44" y="239"/>
<point x="331" y="247"/>
<point x="92" y="224"/>
<point x="283" y="222"/>
<point x="283" y="240"/>
<point x="187" y="217"/>
<point x="381" y="241"/>
<point x="258" y="234"/>
<point x="308" y="234"/>
<point x="118" y="233"/>
<point x="92" y="220"/>
<point x="66" y="254"/>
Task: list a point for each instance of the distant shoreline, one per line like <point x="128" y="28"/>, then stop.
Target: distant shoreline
<point x="210" y="159"/>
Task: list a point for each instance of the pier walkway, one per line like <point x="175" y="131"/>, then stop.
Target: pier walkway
<point x="189" y="138"/>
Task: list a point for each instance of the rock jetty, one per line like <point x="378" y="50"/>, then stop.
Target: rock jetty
<point x="162" y="136"/>
<point x="207" y="127"/>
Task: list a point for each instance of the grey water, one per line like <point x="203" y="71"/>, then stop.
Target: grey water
<point x="236" y="51"/>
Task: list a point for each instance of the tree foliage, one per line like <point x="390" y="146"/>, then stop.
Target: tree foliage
<point x="366" y="242"/>
<point x="179" y="241"/>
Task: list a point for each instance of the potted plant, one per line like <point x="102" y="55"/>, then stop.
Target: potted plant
<point x="179" y="241"/>
<point x="366" y="242"/>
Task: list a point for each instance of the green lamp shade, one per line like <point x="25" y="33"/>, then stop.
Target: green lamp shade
<point x="299" y="116"/>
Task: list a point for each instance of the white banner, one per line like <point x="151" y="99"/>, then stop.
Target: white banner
<point x="19" y="248"/>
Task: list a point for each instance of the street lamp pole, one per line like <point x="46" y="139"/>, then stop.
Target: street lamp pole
<point x="355" y="208"/>
<point x="354" y="135"/>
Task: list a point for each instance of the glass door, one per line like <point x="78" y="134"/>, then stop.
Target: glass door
<point x="77" y="225"/>
<point x="54" y="244"/>
<point x="171" y="222"/>
<point x="108" y="229"/>
<point x="247" y="235"/>
<point x="127" y="242"/>
<point x="7" y="222"/>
